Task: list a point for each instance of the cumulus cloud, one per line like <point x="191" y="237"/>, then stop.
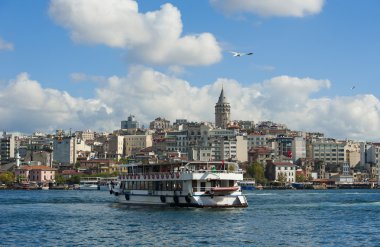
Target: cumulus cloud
<point x="282" y="8"/>
<point x="6" y="46"/>
<point x="152" y="37"/>
<point x="147" y="94"/>
<point x="26" y="106"/>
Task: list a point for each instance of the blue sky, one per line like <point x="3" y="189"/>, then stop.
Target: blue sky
<point x="87" y="64"/>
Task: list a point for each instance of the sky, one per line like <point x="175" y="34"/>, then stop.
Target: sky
<point x="89" y="64"/>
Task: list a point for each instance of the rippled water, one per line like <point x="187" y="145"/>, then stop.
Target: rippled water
<point x="273" y="218"/>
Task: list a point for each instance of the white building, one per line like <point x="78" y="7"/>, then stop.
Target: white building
<point x="67" y="148"/>
<point x="282" y="170"/>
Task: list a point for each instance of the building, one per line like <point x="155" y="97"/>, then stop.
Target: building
<point x="260" y="154"/>
<point x="222" y="112"/>
<point x="134" y="143"/>
<point x="115" y="147"/>
<point x="131" y="123"/>
<point x="227" y="145"/>
<point x="86" y="135"/>
<point x="68" y="148"/>
<point x="37" y="174"/>
<point x="335" y="153"/>
<point x="177" y="141"/>
<point x="7" y="148"/>
<point x="281" y="171"/>
<point x="258" y="140"/>
<point x="160" y="124"/>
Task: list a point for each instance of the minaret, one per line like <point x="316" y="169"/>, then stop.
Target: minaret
<point x="17" y="159"/>
<point x="222" y="112"/>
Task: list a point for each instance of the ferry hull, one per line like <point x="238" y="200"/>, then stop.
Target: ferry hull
<point x="200" y="201"/>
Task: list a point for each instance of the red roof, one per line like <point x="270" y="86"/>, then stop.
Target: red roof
<point x="70" y="172"/>
<point x="45" y="168"/>
<point x="283" y="164"/>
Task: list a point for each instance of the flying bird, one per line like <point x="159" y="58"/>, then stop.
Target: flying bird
<point x="239" y="54"/>
<point x="353" y="87"/>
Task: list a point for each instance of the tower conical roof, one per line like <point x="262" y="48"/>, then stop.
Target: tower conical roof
<point x="222" y="99"/>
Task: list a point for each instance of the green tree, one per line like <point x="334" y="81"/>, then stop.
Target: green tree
<point x="7" y="178"/>
<point x="256" y="171"/>
<point x="75" y="179"/>
<point x="281" y="178"/>
<point x="59" y="179"/>
<point x="77" y="165"/>
<point x="300" y="178"/>
<point x="123" y="160"/>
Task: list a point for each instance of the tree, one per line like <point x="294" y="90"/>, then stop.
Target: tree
<point x="59" y="179"/>
<point x="281" y="178"/>
<point x="300" y="177"/>
<point x="75" y="179"/>
<point x="7" y="177"/>
<point x="256" y="171"/>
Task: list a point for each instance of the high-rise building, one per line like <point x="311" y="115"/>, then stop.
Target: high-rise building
<point x="131" y="123"/>
<point x="7" y="147"/>
<point x="222" y="112"/>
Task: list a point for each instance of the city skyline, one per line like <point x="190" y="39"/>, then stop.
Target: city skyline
<point x="313" y="66"/>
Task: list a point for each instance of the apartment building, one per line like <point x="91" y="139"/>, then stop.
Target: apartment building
<point x="7" y="147"/>
<point x="335" y="153"/>
<point x="134" y="143"/>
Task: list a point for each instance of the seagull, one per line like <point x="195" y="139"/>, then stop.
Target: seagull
<point x="239" y="54"/>
<point x="353" y="87"/>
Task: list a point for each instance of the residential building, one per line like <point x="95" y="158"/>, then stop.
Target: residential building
<point x="37" y="174"/>
<point x="160" y="124"/>
<point x="86" y="135"/>
<point x="177" y="141"/>
<point x="134" y="143"/>
<point x="255" y="140"/>
<point x="281" y="171"/>
<point x="115" y="147"/>
<point x="334" y="153"/>
<point x="7" y="148"/>
<point x="67" y="149"/>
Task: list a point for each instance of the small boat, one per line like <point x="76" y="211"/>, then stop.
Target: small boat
<point x="247" y="184"/>
<point x="96" y="183"/>
<point x="192" y="184"/>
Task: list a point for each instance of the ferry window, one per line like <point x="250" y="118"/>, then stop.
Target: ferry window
<point x="156" y="185"/>
<point x="195" y="185"/>
<point x="203" y="186"/>
<point x="179" y="185"/>
<point x="231" y="183"/>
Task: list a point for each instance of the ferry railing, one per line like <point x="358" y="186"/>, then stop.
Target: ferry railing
<point x="173" y="174"/>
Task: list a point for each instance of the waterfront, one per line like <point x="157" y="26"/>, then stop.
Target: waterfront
<point x="273" y="218"/>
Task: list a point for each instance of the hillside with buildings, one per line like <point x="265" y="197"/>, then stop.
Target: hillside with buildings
<point x="285" y="155"/>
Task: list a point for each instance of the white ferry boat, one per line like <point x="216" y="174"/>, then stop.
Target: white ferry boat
<point x="194" y="184"/>
<point x="96" y="183"/>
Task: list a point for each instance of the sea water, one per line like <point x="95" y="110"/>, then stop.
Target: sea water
<point x="273" y="218"/>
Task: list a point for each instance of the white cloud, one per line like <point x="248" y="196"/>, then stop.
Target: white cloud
<point x="148" y="94"/>
<point x="6" y="46"/>
<point x="283" y="8"/>
<point x="152" y="37"/>
<point x="25" y="106"/>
